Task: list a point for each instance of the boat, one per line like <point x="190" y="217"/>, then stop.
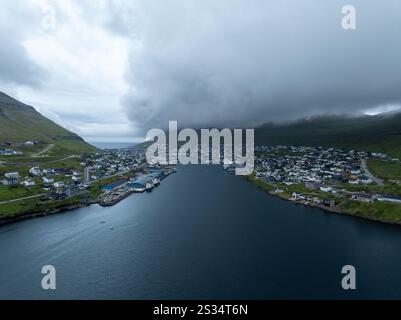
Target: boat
<point x="139" y="189"/>
<point x="137" y="186"/>
<point x="149" y="186"/>
<point x="156" y="182"/>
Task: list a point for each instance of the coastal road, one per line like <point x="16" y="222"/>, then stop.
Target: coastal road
<point x="25" y="198"/>
<point x="369" y="174"/>
<point x="32" y="164"/>
<point x="66" y="158"/>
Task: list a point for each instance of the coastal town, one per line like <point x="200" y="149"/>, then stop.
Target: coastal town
<point x="28" y="185"/>
<point x="343" y="181"/>
<point x="330" y="178"/>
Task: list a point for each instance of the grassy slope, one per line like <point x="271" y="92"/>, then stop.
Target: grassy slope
<point x="20" y="123"/>
<point x="381" y="133"/>
<point x="385" y="169"/>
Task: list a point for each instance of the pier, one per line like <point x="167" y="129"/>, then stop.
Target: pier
<point x="122" y="189"/>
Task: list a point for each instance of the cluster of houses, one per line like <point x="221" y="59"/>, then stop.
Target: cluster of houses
<point x="60" y="183"/>
<point x="313" y="165"/>
<point x="324" y="170"/>
<point x="296" y="196"/>
<point x="10" y="152"/>
<point x="8" y="148"/>
<point x="111" y="162"/>
<point x="52" y="180"/>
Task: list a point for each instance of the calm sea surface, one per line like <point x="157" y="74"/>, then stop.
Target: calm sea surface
<point x="202" y="234"/>
<point x="112" y="145"/>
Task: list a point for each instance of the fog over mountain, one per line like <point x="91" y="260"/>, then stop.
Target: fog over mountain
<point x="241" y="63"/>
<point x="117" y="68"/>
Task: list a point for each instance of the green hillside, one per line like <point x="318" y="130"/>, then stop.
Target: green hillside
<point x="379" y="133"/>
<point x="20" y="122"/>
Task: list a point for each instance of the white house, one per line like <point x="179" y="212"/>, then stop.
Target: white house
<point x="28" y="183"/>
<point x="11" y="178"/>
<point x="48" y="180"/>
<point x="353" y="181"/>
<point x="365" y="180"/>
<point x="35" y="171"/>
<point x="326" y="189"/>
<point x="59" y="184"/>
<point x="49" y="171"/>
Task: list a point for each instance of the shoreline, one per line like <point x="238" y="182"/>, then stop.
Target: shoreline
<point x="32" y="215"/>
<point x="61" y="210"/>
<point x="324" y="208"/>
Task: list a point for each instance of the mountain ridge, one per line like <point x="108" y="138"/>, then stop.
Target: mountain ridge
<point x="20" y="122"/>
<point x="376" y="133"/>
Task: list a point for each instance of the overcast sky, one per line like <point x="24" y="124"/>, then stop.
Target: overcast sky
<point x="110" y="70"/>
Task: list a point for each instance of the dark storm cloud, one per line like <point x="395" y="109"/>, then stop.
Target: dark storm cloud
<point x="243" y="63"/>
<point x="16" y="66"/>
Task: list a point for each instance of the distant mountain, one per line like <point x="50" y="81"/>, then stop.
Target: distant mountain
<point x="20" y="122"/>
<point x="379" y="133"/>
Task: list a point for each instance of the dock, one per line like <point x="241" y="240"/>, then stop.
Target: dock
<point x="122" y="190"/>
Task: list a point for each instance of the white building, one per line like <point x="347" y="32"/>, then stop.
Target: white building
<point x="35" y="171"/>
<point x="59" y="184"/>
<point x="28" y="183"/>
<point x="48" y="180"/>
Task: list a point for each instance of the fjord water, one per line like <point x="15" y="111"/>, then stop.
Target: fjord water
<point x="202" y="234"/>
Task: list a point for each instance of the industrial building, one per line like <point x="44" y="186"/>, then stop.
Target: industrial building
<point x="112" y="186"/>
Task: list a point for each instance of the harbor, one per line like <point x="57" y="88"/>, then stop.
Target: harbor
<point x="116" y="192"/>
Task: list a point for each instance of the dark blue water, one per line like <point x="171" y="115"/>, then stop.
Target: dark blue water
<point x="202" y="234"/>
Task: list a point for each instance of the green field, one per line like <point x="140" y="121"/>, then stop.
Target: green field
<point x="16" y="192"/>
<point x="388" y="170"/>
<point x="378" y="210"/>
<point x="260" y="184"/>
<point x="35" y="206"/>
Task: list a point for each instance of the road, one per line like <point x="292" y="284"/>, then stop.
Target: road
<point x="32" y="164"/>
<point x="20" y="199"/>
<point x="369" y="174"/>
<point x="87" y="174"/>
<point x="62" y="159"/>
<point x="45" y="150"/>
